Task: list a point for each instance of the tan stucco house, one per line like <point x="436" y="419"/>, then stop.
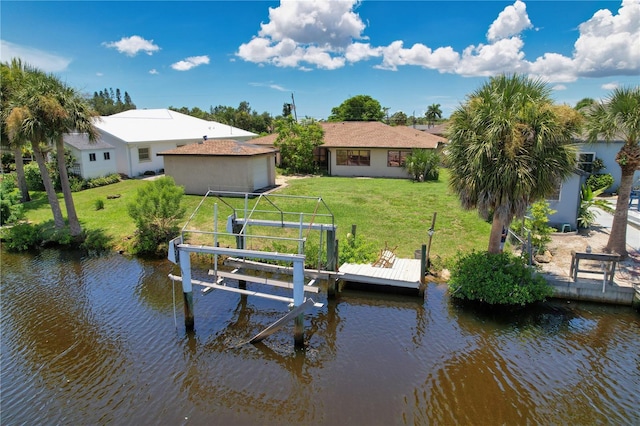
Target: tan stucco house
<point x="366" y="148"/>
<point x="221" y="165"/>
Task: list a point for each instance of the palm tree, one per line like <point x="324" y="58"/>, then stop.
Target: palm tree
<point x="12" y="74"/>
<point x="75" y="115"/>
<point x="619" y="117"/>
<point x="509" y="147"/>
<point x="43" y="110"/>
<point x="433" y="113"/>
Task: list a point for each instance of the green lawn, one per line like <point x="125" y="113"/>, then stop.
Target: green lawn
<point x="397" y="212"/>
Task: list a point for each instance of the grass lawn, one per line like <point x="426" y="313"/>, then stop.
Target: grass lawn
<point x="396" y="212"/>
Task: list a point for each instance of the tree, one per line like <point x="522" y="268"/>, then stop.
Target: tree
<point x="433" y="113"/>
<point x="156" y="211"/>
<point x="509" y="147"/>
<point x="399" y="119"/>
<point x="23" y="122"/>
<point x="358" y="108"/>
<point x="106" y="102"/>
<point x="619" y="116"/>
<point x="297" y="142"/>
<point x="12" y="76"/>
<point x="42" y="111"/>
<point x="584" y="103"/>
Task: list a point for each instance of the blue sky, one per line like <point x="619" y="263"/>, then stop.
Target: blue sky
<point x="406" y="54"/>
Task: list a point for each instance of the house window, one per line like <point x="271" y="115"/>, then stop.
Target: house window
<point x="585" y="161"/>
<point x="353" y="157"/>
<point x="107" y="156"/>
<point x="92" y="157"/>
<point x="397" y="158"/>
<point x="143" y="154"/>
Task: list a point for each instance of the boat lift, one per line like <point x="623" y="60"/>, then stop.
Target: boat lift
<point x="238" y="224"/>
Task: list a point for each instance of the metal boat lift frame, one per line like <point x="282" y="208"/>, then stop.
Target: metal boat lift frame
<point x="237" y="227"/>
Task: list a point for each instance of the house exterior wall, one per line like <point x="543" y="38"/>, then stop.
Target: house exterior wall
<point x="378" y="165"/>
<point x="127" y="158"/>
<point x="568" y="204"/>
<point x="607" y="153"/>
<point x="98" y="168"/>
<point x="200" y="173"/>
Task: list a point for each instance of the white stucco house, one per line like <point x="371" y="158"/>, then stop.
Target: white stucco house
<point x="138" y="135"/>
<point x="92" y="159"/>
<point x="221" y="165"/>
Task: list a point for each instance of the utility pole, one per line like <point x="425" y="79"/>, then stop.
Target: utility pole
<point x="295" y="113"/>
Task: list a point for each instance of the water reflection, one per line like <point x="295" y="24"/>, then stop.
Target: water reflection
<point x="93" y="341"/>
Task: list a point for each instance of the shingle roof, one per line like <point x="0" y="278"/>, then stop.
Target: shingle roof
<point x="368" y="134"/>
<point x="220" y="148"/>
<point x="148" y="125"/>
<point x="81" y="141"/>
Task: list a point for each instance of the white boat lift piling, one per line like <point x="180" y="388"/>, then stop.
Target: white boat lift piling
<point x="237" y="229"/>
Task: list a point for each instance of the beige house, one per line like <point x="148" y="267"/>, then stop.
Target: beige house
<point x="221" y="165"/>
<point x="366" y="148"/>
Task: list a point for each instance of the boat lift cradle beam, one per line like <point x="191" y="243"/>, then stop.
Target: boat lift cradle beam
<point x="176" y="247"/>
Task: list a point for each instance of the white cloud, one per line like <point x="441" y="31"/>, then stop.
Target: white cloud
<point x="511" y="21"/>
<point x="305" y="32"/>
<point x="327" y="34"/>
<point x="153" y="71"/>
<point x="610" y="86"/>
<point x="610" y="44"/>
<point x="133" y="45"/>
<point x="37" y="58"/>
<point x="190" y="62"/>
<point x="99" y="74"/>
<point x="559" y="87"/>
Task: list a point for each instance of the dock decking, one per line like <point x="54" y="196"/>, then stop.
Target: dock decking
<point x="404" y="273"/>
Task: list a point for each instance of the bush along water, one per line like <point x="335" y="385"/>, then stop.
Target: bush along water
<point x="496" y="279"/>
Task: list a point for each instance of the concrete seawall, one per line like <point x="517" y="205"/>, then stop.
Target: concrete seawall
<point x="591" y="291"/>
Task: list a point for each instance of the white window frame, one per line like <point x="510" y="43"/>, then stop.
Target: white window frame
<point x="583" y="163"/>
<point x="148" y="155"/>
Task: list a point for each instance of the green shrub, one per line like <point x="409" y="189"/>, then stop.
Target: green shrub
<point x="23" y="237"/>
<point x="501" y="278"/>
<point x="156" y="211"/>
<point x="536" y="222"/>
<point x="11" y="210"/>
<point x="96" y="241"/>
<point x="422" y="165"/>
<point x="600" y="181"/>
<point x="98" y="204"/>
<point x="357" y="250"/>
<point x="32" y="176"/>
<point x="76" y="183"/>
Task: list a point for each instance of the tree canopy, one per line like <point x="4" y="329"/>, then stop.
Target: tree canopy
<point x="509" y="147"/>
<point x="242" y="117"/>
<point x="297" y="141"/>
<point x="358" y="108"/>
<point x="618" y="117"/>
<point x="108" y="102"/>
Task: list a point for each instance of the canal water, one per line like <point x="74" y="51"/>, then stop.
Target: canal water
<point x="95" y="340"/>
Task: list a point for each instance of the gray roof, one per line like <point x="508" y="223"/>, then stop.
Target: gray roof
<point x="81" y="141"/>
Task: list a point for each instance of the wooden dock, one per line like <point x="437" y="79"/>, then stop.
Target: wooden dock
<point x="404" y="273"/>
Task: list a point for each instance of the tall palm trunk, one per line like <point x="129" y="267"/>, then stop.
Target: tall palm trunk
<point x="629" y="160"/>
<point x="22" y="180"/>
<point x="74" y="224"/>
<point x="58" y="220"/>
<point x="496" y="235"/>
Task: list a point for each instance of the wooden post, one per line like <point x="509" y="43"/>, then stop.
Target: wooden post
<point x="430" y="232"/>
<point x="187" y="290"/>
<point x="423" y="269"/>
<point x="353" y="231"/>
